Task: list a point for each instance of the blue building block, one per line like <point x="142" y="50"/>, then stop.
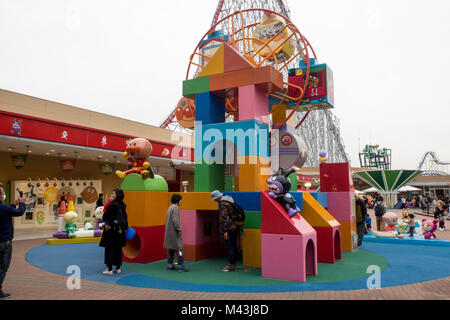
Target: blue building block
<point x="298" y="196"/>
<point x="321" y="197"/>
<point x="209" y="108"/>
<point x="251" y="138"/>
<point x="249" y="201"/>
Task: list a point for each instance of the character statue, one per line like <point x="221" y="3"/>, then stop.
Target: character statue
<point x="98" y="215"/>
<point x="390" y="219"/>
<point x="279" y="186"/>
<point x="137" y="152"/>
<point x="429" y="227"/>
<point x="70" y="217"/>
<point x="323" y="156"/>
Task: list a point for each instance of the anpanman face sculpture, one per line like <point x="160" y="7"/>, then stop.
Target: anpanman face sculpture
<point x="185" y="113"/>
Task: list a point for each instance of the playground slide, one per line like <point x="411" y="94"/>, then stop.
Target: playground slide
<point x="315" y="214"/>
<point x="275" y="220"/>
<point x="398" y="205"/>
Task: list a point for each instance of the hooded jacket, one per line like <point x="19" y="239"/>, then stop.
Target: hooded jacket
<point x="225" y="214"/>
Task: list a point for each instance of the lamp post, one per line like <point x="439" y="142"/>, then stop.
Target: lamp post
<point x="307" y="185"/>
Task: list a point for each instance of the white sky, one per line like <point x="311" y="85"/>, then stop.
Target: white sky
<point x="128" y="58"/>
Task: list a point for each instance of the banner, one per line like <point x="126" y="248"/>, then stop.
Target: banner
<point x="67" y="165"/>
<point x="19" y="161"/>
<point x="106" y="168"/>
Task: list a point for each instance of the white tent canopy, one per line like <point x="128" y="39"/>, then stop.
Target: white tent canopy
<point x="371" y="190"/>
<point x="408" y="188"/>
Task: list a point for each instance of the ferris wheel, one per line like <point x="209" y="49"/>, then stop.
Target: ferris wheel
<point x="275" y="41"/>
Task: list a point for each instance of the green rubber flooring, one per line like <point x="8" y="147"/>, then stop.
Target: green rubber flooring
<point x="352" y="266"/>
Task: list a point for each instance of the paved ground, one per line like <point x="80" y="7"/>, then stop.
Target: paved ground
<point x="27" y="282"/>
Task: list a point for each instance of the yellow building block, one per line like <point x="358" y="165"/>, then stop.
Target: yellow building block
<point x="195" y="200"/>
<point x="279" y="113"/>
<point x="251" y="248"/>
<point x="53" y="241"/>
<point x="348" y="236"/>
<point x="253" y="173"/>
<point x="215" y="65"/>
<point x="146" y="208"/>
<point x="315" y="214"/>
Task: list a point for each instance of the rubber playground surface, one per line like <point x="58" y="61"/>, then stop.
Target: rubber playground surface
<point x="400" y="264"/>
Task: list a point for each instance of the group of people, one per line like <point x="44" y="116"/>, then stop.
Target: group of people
<point x="229" y="225"/>
<point x="116" y="224"/>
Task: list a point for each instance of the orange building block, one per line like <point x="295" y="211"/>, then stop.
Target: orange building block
<point x="215" y="65"/>
<point x="251" y="248"/>
<point x="266" y="77"/>
<point x="315" y="214"/>
<point x="253" y="173"/>
<point x="146" y="208"/>
<point x="203" y="251"/>
<point x="233" y="60"/>
<point x="349" y="236"/>
<point x="279" y="113"/>
<point x="195" y="200"/>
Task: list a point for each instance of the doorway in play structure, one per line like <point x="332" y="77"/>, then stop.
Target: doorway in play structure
<point x="201" y="236"/>
<point x="133" y="247"/>
<point x="310" y="258"/>
<point x="337" y="245"/>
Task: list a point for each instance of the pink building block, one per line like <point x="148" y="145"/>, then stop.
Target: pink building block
<point x="193" y="226"/>
<point x="275" y="220"/>
<point x="288" y="257"/>
<point x="341" y="205"/>
<point x="253" y="104"/>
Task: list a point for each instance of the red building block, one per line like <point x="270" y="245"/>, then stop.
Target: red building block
<point x="275" y="220"/>
<point x="328" y="244"/>
<point x="147" y="245"/>
<point x="336" y="177"/>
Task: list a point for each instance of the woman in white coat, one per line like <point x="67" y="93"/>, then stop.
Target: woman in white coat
<point x="173" y="240"/>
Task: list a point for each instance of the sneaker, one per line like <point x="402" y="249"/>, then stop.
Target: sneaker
<point x="108" y="271"/>
<point x="4" y="295"/>
<point x="182" y="269"/>
<point x="229" y="267"/>
<point x="171" y="267"/>
<point x="117" y="271"/>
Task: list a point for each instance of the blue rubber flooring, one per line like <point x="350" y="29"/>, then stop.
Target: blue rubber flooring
<point x="407" y="264"/>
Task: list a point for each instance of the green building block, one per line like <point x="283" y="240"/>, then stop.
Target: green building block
<point x="229" y="184"/>
<point x="194" y="86"/>
<point x="209" y="177"/>
<point x="134" y="182"/>
<point x="252" y="220"/>
<point x="293" y="178"/>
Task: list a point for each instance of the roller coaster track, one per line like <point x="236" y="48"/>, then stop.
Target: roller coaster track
<point x="431" y="165"/>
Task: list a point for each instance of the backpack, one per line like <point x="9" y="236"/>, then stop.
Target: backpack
<point x="238" y="215"/>
<point x="379" y="210"/>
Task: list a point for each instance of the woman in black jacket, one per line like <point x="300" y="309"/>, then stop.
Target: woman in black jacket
<point x="113" y="237"/>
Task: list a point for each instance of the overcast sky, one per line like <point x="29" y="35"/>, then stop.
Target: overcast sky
<point x="128" y="58"/>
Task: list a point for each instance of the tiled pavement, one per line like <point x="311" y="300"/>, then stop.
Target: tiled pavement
<point x="26" y="282"/>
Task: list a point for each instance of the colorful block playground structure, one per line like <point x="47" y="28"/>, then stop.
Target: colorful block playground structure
<point x="283" y="247"/>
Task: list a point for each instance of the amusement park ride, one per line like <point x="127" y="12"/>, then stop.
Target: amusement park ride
<point x="266" y="36"/>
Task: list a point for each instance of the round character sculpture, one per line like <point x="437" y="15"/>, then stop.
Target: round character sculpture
<point x="137" y="152"/>
<point x="390" y="219"/>
<point x="279" y="186"/>
<point x="70" y="217"/>
<point x="429" y="227"/>
<point x="98" y="215"/>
